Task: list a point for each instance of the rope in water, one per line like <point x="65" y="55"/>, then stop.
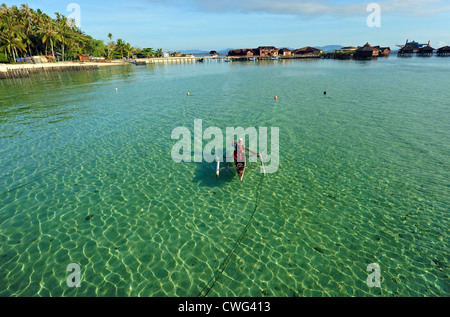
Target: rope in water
<point x="205" y="291"/>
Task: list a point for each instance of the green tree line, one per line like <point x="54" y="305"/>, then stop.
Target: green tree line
<point x="28" y="32"/>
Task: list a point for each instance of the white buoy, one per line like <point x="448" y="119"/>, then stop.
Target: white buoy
<point x="218" y="167"/>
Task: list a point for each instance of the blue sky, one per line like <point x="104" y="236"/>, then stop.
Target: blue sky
<point x="218" y="24"/>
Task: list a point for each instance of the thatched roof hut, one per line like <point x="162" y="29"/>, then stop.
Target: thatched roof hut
<point x="366" y="51"/>
<point x="383" y="51"/>
<point x="443" y="51"/>
<point x="307" y="50"/>
<point x="425" y="51"/>
<point x="243" y="52"/>
<point x="267" y="51"/>
<point x="345" y="50"/>
<point x="235" y="52"/>
<point x="285" y="52"/>
<point x="84" y="57"/>
<point x="406" y="50"/>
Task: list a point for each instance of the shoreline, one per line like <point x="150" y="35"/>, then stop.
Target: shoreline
<point x="24" y="70"/>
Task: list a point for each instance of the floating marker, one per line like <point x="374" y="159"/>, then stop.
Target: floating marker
<point x="218" y="167"/>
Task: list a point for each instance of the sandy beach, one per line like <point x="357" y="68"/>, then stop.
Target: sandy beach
<point x="6" y="67"/>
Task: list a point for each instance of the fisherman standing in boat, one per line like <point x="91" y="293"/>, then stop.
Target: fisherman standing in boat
<point x="239" y="151"/>
<point x="239" y="158"/>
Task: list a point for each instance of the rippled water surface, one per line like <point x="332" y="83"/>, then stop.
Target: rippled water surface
<point x="86" y="177"/>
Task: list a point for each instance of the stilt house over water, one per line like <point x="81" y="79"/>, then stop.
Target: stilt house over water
<point x="443" y="51"/>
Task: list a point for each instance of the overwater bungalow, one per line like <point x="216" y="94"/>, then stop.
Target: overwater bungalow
<point x="235" y="52"/>
<point x="406" y="51"/>
<point x="425" y="51"/>
<point x="268" y="51"/>
<point x="345" y="50"/>
<point x="285" y="52"/>
<point x="341" y="53"/>
<point x="443" y="51"/>
<point x="412" y="45"/>
<point x="308" y="50"/>
<point x="366" y="51"/>
<point x="248" y="52"/>
<point x="384" y="51"/>
<point x="261" y="51"/>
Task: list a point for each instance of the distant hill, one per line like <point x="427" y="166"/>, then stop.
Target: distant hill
<point x="199" y="52"/>
<point x="193" y="52"/>
<point x="225" y="51"/>
<point x="330" y="48"/>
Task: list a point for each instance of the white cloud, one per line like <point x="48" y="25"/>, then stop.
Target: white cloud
<point x="318" y="7"/>
<point x="415" y="7"/>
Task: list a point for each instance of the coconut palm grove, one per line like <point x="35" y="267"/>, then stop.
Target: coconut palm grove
<point x="28" y="32"/>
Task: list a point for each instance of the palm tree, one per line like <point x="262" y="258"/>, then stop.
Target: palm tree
<point x="120" y="46"/>
<point x="24" y="30"/>
<point x="110" y="47"/>
<point x="37" y="19"/>
<point x="4" y="9"/>
<point x="11" y="34"/>
<point x="27" y="20"/>
<point x="12" y="45"/>
<point x="64" y="32"/>
<point x="75" y="45"/>
<point x="148" y="52"/>
<point x="159" y="52"/>
<point x="49" y="35"/>
<point x="128" y="49"/>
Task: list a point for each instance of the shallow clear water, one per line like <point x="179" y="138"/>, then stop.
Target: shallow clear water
<point x="86" y="177"/>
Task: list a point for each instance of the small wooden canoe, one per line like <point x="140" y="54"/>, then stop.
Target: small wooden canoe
<point x="239" y="162"/>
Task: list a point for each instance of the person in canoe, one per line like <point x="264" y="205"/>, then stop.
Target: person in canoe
<point x="239" y="158"/>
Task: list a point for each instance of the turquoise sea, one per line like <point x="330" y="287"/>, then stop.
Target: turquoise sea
<point x="86" y="177"/>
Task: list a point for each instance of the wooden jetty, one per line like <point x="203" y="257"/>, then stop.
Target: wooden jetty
<point x="165" y="60"/>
